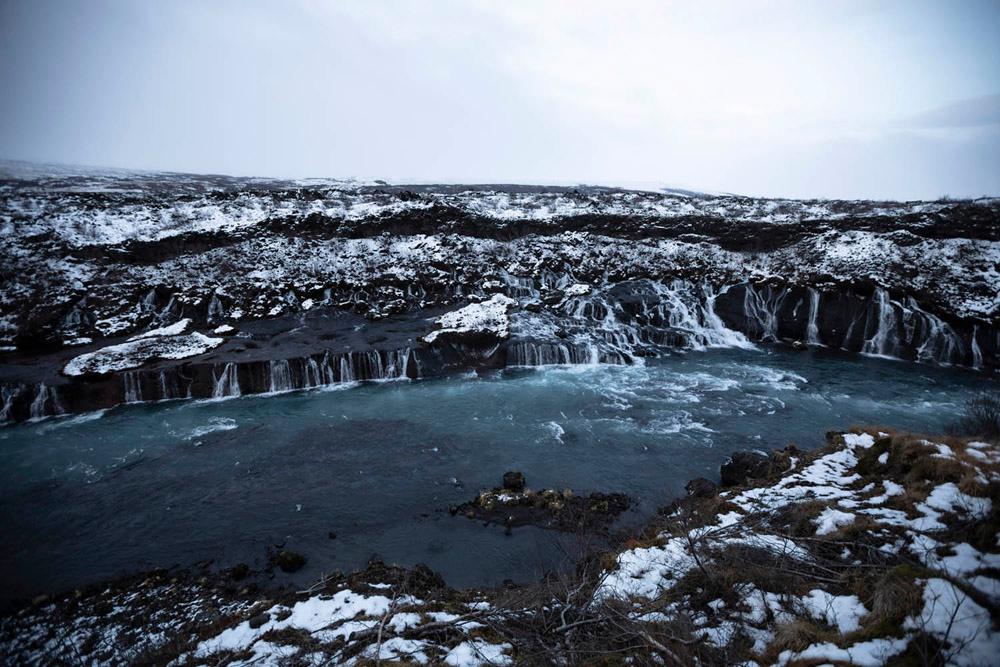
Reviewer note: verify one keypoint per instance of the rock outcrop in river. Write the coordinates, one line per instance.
(307, 283)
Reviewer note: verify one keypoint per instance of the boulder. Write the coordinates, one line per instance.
(288, 561)
(513, 481)
(743, 466)
(701, 488)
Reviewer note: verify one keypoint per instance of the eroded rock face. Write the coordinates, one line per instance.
(489, 276)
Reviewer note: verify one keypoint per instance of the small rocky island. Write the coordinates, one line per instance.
(514, 505)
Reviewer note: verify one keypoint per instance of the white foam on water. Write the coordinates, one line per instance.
(214, 424)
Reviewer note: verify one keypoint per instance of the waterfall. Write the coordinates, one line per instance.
(812, 330)
(884, 342)
(519, 288)
(149, 302)
(312, 375)
(529, 353)
(133, 390)
(329, 376)
(46, 402)
(169, 388)
(281, 376)
(38, 404)
(227, 384)
(396, 363)
(977, 353)
(216, 313)
(763, 310)
(715, 332)
(7, 396)
(346, 370)
(938, 342)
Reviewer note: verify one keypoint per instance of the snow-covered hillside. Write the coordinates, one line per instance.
(92, 257)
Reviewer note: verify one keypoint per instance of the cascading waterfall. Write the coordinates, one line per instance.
(623, 324)
(216, 312)
(346, 370)
(935, 339)
(529, 353)
(396, 363)
(329, 375)
(149, 302)
(715, 332)
(812, 330)
(763, 310)
(133, 389)
(884, 342)
(977, 353)
(45, 403)
(169, 388)
(7, 396)
(281, 376)
(312, 375)
(519, 288)
(226, 383)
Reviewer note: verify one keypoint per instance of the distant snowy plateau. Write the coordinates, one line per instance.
(130, 286)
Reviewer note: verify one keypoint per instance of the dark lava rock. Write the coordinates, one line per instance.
(701, 488)
(743, 466)
(239, 571)
(288, 561)
(419, 579)
(259, 620)
(513, 480)
(550, 508)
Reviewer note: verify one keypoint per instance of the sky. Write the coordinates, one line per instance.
(797, 98)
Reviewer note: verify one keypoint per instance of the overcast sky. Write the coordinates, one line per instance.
(792, 98)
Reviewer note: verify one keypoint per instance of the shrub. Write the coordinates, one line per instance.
(982, 416)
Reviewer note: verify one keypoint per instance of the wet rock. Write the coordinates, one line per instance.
(701, 488)
(513, 480)
(800, 346)
(239, 572)
(743, 466)
(288, 561)
(549, 508)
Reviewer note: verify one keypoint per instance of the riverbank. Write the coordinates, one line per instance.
(879, 546)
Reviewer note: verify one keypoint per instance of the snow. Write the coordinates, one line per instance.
(831, 519)
(843, 612)
(947, 498)
(477, 652)
(952, 616)
(313, 615)
(135, 353)
(174, 329)
(487, 317)
(831, 477)
(873, 653)
(223, 329)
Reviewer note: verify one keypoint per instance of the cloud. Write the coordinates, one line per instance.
(975, 112)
